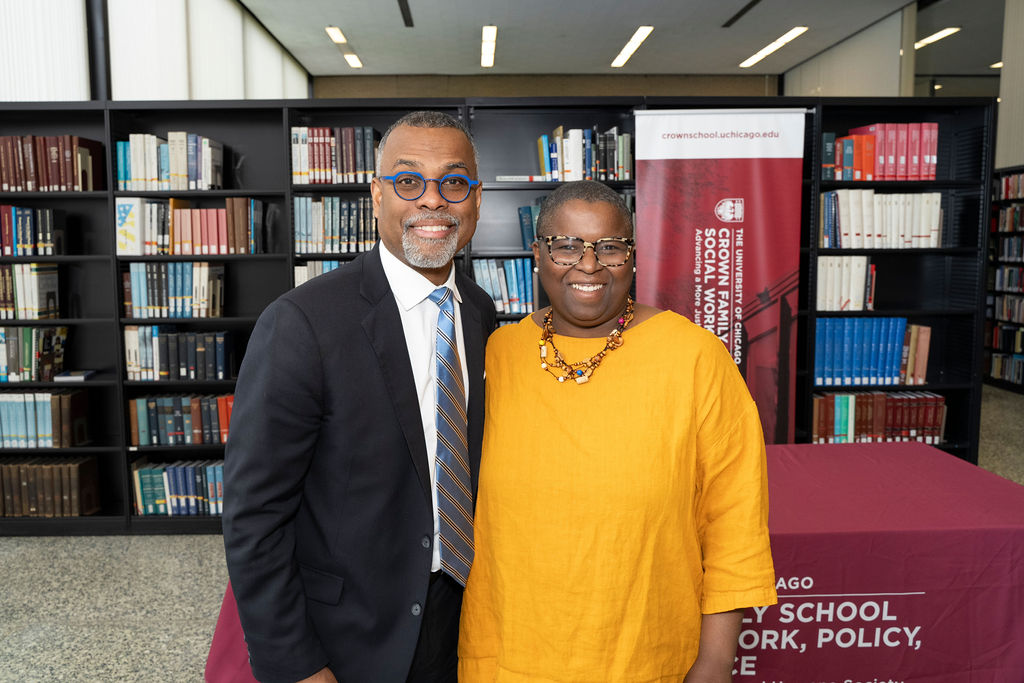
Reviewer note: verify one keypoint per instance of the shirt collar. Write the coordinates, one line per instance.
(410, 287)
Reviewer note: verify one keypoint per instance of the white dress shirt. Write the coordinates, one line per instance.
(419, 322)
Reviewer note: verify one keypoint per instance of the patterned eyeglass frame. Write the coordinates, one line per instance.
(628, 241)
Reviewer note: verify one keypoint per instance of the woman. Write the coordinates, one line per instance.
(621, 524)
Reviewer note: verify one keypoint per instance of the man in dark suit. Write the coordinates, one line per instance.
(331, 505)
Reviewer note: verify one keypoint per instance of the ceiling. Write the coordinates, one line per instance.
(582, 37)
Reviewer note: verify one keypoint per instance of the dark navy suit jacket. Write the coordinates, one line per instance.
(328, 523)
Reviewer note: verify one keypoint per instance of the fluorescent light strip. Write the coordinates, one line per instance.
(944, 33)
(773, 46)
(353, 60)
(997, 65)
(336, 35)
(638, 38)
(489, 40)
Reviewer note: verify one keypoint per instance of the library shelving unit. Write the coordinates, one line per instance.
(943, 287)
(1004, 302)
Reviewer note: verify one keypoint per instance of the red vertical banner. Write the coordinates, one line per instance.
(718, 237)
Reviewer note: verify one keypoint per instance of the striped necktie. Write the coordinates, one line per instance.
(454, 497)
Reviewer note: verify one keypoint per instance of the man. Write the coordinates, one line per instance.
(337, 549)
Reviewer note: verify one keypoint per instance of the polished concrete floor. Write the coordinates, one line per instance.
(143, 608)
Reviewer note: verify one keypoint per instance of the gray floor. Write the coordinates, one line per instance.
(143, 608)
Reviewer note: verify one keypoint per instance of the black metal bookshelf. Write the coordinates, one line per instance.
(943, 286)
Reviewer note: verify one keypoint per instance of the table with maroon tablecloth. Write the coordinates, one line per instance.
(894, 562)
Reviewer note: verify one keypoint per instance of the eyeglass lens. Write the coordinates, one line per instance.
(568, 251)
(453, 187)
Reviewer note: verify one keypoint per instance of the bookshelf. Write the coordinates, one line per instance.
(940, 286)
(1004, 300)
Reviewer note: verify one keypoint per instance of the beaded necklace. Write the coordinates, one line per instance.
(580, 370)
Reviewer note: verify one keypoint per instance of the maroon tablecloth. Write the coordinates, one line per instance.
(894, 562)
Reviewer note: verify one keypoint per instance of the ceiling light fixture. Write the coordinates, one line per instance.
(353, 60)
(944, 33)
(488, 42)
(773, 46)
(336, 35)
(997, 65)
(638, 38)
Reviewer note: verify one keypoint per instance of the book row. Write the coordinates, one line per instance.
(862, 219)
(1008, 247)
(180, 161)
(154, 353)
(173, 289)
(31, 354)
(29, 291)
(155, 227)
(1008, 307)
(30, 232)
(193, 487)
(845, 283)
(1011, 186)
(870, 352)
(1008, 278)
(308, 271)
(1011, 219)
(55, 419)
(508, 281)
(1009, 338)
(581, 154)
(323, 155)
(878, 416)
(179, 420)
(49, 487)
(882, 151)
(331, 225)
(1007, 367)
(51, 163)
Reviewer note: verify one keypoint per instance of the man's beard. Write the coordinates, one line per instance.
(430, 253)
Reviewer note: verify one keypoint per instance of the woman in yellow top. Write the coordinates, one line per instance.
(621, 524)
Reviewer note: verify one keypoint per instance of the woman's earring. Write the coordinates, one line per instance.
(537, 270)
(634, 269)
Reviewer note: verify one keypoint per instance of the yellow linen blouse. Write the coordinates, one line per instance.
(612, 514)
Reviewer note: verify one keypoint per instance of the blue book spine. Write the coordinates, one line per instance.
(189, 473)
(848, 159)
(164, 166)
(899, 330)
(826, 214)
(140, 408)
(123, 164)
(29, 420)
(553, 153)
(511, 285)
(526, 226)
(3, 354)
(846, 341)
(174, 493)
(857, 357)
(187, 270)
(524, 286)
(819, 352)
(870, 350)
(838, 419)
(828, 351)
(211, 487)
(219, 471)
(588, 154)
(44, 420)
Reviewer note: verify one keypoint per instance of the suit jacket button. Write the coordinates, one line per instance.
(425, 542)
(416, 609)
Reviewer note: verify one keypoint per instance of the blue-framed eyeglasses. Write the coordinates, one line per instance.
(410, 186)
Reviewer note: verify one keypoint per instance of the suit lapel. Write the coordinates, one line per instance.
(383, 327)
